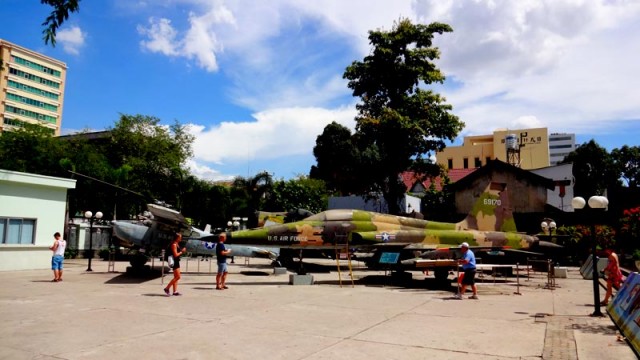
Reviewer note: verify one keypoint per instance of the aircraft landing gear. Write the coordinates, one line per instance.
(301, 270)
(276, 263)
(138, 260)
(138, 265)
(441, 275)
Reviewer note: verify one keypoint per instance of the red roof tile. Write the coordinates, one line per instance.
(409, 178)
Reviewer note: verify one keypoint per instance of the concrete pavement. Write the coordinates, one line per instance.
(103, 315)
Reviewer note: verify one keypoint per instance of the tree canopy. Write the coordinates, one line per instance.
(627, 159)
(401, 122)
(594, 169)
(299, 193)
(59, 14)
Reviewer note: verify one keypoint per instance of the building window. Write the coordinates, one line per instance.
(29, 113)
(35, 66)
(450, 163)
(465, 163)
(17, 231)
(477, 162)
(560, 138)
(34, 78)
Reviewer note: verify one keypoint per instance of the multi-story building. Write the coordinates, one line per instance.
(560, 145)
(476, 151)
(32, 88)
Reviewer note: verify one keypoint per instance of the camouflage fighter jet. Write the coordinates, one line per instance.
(490, 225)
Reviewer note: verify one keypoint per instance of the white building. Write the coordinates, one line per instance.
(32, 209)
(560, 145)
(560, 197)
(376, 204)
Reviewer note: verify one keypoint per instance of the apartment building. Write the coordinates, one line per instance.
(32, 88)
(560, 145)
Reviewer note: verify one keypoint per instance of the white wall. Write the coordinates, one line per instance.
(36, 197)
(557, 173)
(407, 204)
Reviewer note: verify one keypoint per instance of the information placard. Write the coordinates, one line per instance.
(389, 258)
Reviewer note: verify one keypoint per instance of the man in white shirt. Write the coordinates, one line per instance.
(58, 247)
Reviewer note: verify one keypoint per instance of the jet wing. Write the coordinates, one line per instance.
(168, 216)
(524, 252)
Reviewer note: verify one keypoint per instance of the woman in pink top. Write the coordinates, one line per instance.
(613, 274)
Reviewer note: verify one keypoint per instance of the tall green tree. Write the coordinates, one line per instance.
(593, 169)
(340, 163)
(627, 160)
(156, 155)
(399, 117)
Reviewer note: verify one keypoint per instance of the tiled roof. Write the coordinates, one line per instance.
(409, 178)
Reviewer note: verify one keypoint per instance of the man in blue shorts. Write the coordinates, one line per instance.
(57, 260)
(221, 256)
(468, 262)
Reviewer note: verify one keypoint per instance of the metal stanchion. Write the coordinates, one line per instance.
(112, 260)
(162, 272)
(518, 279)
(551, 283)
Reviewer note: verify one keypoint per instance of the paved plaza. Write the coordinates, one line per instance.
(109, 315)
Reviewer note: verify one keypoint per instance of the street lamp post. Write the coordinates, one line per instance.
(548, 226)
(596, 203)
(89, 215)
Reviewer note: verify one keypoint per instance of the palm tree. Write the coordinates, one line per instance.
(250, 194)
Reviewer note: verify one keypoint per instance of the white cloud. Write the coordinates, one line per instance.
(72, 39)
(199, 42)
(569, 65)
(161, 36)
(566, 64)
(274, 134)
(205, 172)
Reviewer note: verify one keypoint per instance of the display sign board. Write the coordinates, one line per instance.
(624, 310)
(389, 258)
(587, 270)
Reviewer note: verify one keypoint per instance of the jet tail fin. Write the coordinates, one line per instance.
(207, 228)
(492, 211)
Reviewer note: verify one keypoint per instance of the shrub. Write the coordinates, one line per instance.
(70, 253)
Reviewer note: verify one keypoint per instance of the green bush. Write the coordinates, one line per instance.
(104, 253)
(70, 253)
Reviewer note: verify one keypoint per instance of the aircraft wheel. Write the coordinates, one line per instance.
(138, 261)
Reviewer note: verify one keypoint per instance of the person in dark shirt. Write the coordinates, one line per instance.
(221, 256)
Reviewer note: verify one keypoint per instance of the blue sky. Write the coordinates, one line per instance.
(257, 81)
